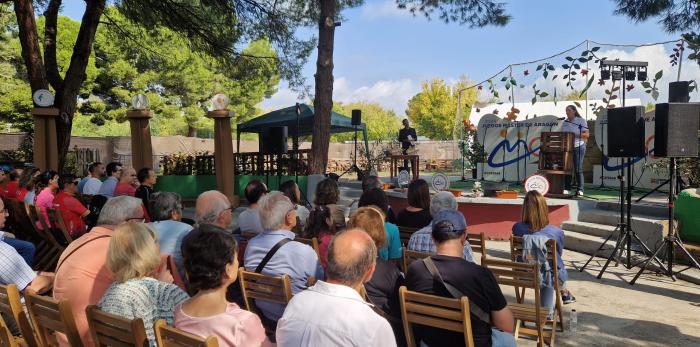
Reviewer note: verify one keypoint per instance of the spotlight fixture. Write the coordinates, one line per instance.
(616, 73)
(605, 73)
(642, 74)
(630, 73)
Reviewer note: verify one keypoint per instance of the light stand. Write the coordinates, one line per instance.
(354, 167)
(602, 150)
(671, 240)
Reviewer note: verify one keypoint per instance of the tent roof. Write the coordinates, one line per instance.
(287, 117)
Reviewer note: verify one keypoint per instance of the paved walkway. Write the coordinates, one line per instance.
(653, 312)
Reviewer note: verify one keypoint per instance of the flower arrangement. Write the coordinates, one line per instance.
(477, 190)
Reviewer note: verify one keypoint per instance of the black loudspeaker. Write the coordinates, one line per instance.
(273, 140)
(676, 130)
(356, 117)
(679, 91)
(626, 132)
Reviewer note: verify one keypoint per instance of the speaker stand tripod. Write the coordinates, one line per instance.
(354, 167)
(671, 240)
(623, 229)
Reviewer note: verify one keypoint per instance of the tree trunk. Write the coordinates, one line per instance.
(67, 96)
(323, 100)
(29, 40)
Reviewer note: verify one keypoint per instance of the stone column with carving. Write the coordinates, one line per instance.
(45, 140)
(141, 148)
(223, 153)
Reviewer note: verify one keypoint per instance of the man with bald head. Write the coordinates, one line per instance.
(332, 312)
(214, 208)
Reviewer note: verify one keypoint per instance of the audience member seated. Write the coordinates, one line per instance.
(471, 280)
(82, 276)
(417, 213)
(320, 225)
(327, 192)
(114, 173)
(72, 209)
(383, 288)
(422, 240)
(25, 249)
(47, 188)
(167, 213)
(249, 220)
(392, 249)
(369, 182)
(536, 221)
(295, 259)
(11, 189)
(127, 183)
(212, 266)
(3, 182)
(26, 183)
(291, 190)
(132, 257)
(147, 179)
(212, 207)
(332, 312)
(93, 182)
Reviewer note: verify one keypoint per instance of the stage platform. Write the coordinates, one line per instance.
(495, 217)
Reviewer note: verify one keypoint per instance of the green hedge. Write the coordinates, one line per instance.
(189, 187)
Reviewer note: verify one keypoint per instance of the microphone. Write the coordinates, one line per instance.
(561, 118)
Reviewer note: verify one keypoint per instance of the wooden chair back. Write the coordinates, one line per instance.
(168, 336)
(478, 243)
(313, 242)
(405, 234)
(6, 338)
(11, 306)
(409, 256)
(17, 222)
(114, 331)
(262, 287)
(56, 218)
(53, 248)
(435, 311)
(50, 316)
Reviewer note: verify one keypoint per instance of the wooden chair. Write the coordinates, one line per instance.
(521, 275)
(257, 286)
(167, 336)
(478, 244)
(56, 219)
(313, 242)
(21, 221)
(6, 338)
(11, 306)
(409, 256)
(435, 311)
(53, 247)
(516, 250)
(50, 316)
(114, 331)
(405, 234)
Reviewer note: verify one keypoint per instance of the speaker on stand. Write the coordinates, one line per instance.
(273, 142)
(356, 121)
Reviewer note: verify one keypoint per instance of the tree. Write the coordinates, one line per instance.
(382, 124)
(432, 111)
(474, 13)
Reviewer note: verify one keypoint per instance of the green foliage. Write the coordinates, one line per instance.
(15, 94)
(433, 110)
(382, 124)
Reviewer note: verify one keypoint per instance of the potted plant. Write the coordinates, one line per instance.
(477, 190)
(472, 151)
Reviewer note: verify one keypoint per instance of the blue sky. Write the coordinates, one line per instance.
(382, 54)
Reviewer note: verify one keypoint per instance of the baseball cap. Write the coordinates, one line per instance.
(449, 221)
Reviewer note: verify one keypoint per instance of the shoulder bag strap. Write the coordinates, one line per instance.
(270, 253)
(77, 248)
(456, 293)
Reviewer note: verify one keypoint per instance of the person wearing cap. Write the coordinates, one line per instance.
(473, 281)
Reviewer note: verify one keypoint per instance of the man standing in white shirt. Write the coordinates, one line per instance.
(332, 312)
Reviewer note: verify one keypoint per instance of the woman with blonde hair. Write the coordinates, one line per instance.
(535, 221)
(133, 257)
(383, 288)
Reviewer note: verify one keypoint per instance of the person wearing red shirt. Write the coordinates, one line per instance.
(127, 183)
(12, 187)
(72, 210)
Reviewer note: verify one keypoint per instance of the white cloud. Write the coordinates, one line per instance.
(392, 94)
(383, 9)
(284, 97)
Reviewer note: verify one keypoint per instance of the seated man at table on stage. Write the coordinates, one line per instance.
(407, 136)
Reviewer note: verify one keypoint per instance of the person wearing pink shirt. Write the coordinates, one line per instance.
(47, 187)
(211, 263)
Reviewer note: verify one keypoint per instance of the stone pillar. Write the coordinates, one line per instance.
(45, 138)
(141, 148)
(223, 153)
